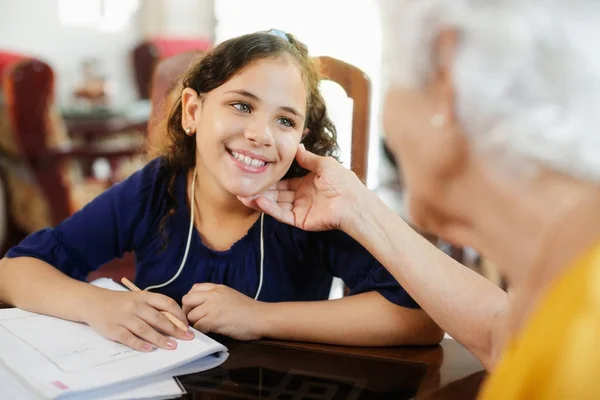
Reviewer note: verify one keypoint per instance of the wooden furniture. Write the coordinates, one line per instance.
(357, 86)
(39, 163)
(147, 54)
(166, 76)
(39, 160)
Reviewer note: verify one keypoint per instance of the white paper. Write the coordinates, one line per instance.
(12, 387)
(63, 358)
(108, 283)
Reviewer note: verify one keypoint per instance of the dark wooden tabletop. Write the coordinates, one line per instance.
(287, 370)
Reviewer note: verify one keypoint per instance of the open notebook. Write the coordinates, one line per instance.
(55, 358)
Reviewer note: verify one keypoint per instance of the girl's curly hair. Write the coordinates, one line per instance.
(215, 68)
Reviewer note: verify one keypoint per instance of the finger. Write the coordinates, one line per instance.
(146, 332)
(287, 207)
(162, 324)
(273, 209)
(193, 300)
(308, 160)
(164, 303)
(289, 184)
(203, 325)
(279, 195)
(283, 196)
(249, 202)
(204, 287)
(197, 314)
(124, 336)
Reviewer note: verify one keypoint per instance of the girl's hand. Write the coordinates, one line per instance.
(222, 310)
(135, 319)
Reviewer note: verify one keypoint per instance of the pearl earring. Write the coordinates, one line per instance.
(437, 121)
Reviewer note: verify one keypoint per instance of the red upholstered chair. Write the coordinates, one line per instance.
(147, 55)
(38, 161)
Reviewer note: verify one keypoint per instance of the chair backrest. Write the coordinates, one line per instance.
(146, 56)
(357, 86)
(30, 128)
(167, 75)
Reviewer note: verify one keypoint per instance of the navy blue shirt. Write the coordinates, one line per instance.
(298, 265)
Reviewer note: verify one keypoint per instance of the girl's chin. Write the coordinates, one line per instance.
(247, 192)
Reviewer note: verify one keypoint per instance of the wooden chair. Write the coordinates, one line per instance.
(38, 160)
(147, 55)
(166, 76)
(357, 86)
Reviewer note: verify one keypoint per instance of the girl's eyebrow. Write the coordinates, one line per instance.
(252, 96)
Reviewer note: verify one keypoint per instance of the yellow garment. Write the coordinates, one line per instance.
(557, 355)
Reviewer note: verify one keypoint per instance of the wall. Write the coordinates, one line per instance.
(182, 18)
(33, 26)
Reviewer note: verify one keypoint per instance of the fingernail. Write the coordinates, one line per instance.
(147, 347)
(171, 344)
(189, 335)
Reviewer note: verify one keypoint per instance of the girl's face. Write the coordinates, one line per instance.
(248, 129)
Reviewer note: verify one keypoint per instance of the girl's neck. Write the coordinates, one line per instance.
(215, 203)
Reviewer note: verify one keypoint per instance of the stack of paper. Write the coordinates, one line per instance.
(13, 387)
(52, 358)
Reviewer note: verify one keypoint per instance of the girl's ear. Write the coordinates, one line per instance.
(190, 104)
(306, 130)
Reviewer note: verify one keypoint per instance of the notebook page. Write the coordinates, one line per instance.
(12, 387)
(58, 357)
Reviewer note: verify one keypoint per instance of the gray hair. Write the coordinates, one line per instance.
(526, 73)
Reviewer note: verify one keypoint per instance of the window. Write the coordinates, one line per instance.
(105, 15)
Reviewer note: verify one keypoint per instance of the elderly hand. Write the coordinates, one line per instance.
(322, 200)
(220, 309)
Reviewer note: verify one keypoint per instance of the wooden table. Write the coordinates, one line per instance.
(92, 128)
(269, 369)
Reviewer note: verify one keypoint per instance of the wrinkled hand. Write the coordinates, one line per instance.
(222, 310)
(321, 200)
(135, 319)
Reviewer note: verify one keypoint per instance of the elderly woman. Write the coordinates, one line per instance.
(493, 113)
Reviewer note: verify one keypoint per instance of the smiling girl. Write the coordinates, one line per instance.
(243, 111)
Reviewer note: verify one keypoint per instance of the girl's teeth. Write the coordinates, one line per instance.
(248, 160)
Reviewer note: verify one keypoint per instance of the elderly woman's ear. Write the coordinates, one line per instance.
(450, 140)
(439, 144)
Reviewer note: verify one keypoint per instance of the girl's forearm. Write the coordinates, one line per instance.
(366, 319)
(33, 285)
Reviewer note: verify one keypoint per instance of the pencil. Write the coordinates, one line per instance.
(176, 321)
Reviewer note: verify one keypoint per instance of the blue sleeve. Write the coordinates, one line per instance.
(359, 270)
(116, 221)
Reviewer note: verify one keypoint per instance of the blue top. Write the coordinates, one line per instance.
(298, 265)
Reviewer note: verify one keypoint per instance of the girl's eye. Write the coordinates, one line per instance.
(243, 107)
(286, 122)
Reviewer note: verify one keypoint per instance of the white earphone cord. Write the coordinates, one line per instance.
(189, 240)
